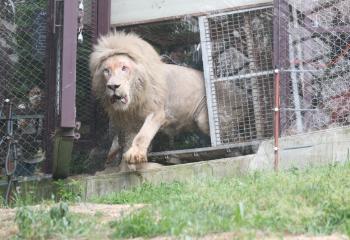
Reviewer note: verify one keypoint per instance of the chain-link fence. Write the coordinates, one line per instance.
(237, 50)
(23, 32)
(84, 98)
(90, 150)
(313, 56)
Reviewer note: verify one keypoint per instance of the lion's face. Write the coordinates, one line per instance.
(118, 74)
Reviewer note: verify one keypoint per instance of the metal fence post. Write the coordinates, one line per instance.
(103, 16)
(276, 121)
(64, 137)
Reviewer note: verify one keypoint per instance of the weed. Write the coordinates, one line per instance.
(53, 222)
(71, 190)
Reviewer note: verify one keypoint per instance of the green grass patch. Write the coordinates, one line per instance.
(314, 201)
(56, 222)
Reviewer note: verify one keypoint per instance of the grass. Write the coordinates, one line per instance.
(56, 222)
(315, 201)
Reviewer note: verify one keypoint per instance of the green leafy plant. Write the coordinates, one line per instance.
(70, 191)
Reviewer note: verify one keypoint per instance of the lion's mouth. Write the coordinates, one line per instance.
(122, 99)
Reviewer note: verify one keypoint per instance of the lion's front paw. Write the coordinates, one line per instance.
(135, 155)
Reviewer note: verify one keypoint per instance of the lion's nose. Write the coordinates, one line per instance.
(113, 87)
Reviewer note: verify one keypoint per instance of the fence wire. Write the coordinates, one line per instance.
(313, 54)
(23, 32)
(84, 98)
(240, 77)
(89, 151)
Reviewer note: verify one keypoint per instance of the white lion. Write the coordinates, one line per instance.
(143, 95)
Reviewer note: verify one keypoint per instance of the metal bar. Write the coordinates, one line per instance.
(103, 16)
(296, 97)
(16, 117)
(298, 71)
(204, 149)
(246, 9)
(302, 109)
(276, 119)
(205, 55)
(94, 20)
(68, 89)
(239, 77)
(276, 35)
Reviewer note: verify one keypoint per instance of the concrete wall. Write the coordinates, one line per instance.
(305, 150)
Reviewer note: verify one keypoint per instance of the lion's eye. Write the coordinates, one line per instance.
(124, 68)
(107, 72)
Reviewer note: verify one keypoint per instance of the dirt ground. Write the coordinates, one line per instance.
(7, 226)
(113, 212)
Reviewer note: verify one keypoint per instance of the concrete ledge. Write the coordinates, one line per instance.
(104, 184)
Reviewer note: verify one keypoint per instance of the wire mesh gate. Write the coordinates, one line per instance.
(23, 32)
(37, 78)
(312, 53)
(237, 59)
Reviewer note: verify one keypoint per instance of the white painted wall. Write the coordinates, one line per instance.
(137, 11)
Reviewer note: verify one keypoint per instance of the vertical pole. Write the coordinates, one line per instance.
(70, 26)
(64, 138)
(208, 77)
(276, 62)
(276, 117)
(103, 16)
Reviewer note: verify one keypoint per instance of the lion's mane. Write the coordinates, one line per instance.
(148, 87)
